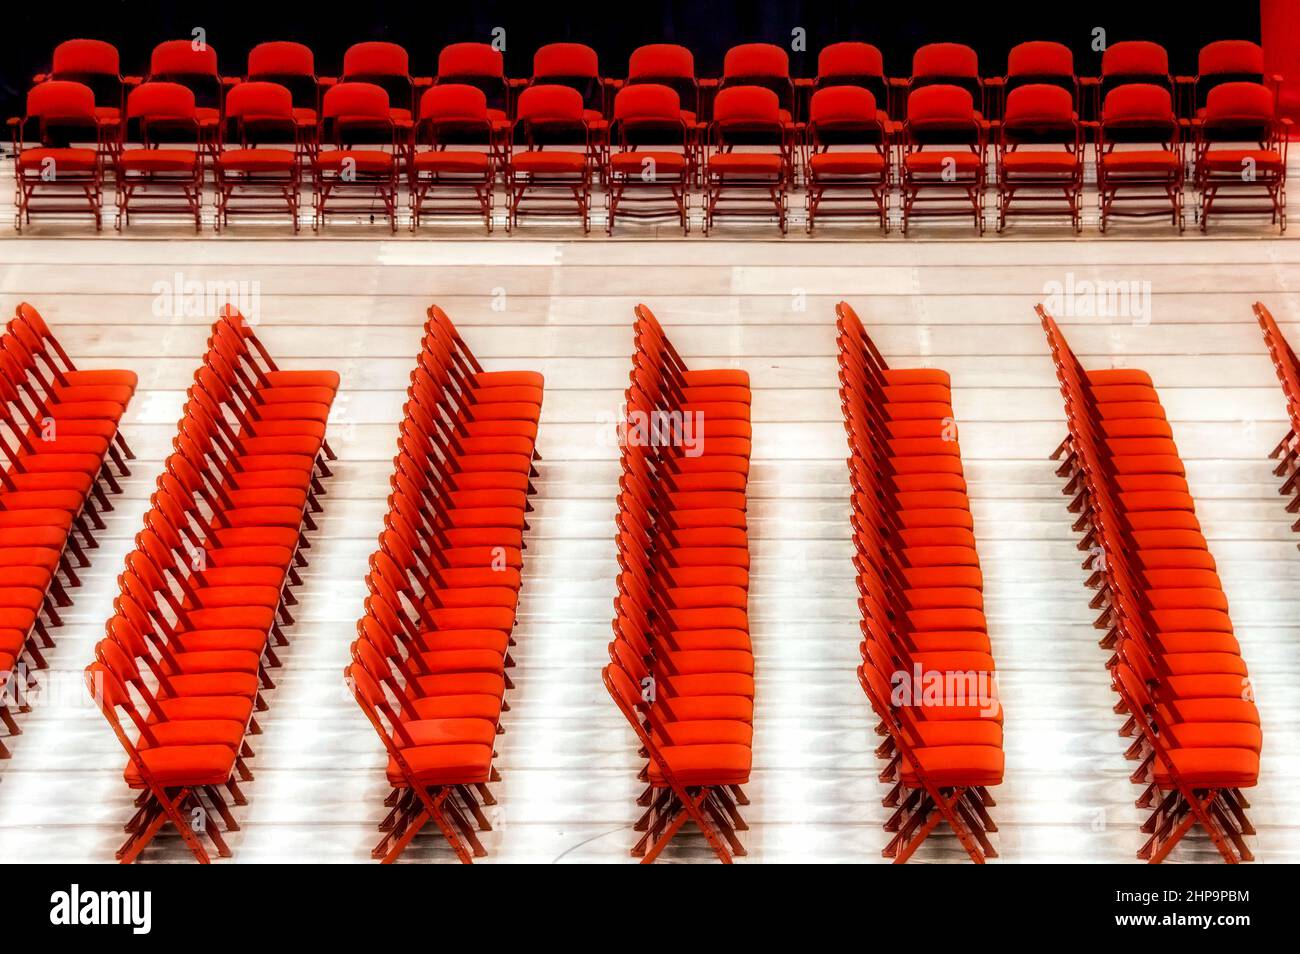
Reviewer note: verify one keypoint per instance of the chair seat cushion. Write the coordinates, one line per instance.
(374, 161)
(947, 765)
(1210, 768)
(717, 764)
(959, 160)
(447, 160)
(1235, 160)
(1142, 162)
(1041, 161)
(746, 164)
(159, 160)
(557, 161)
(257, 160)
(867, 163)
(464, 763)
(58, 160)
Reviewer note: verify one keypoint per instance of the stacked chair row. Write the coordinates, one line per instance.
(860, 140)
(1287, 366)
(61, 444)
(429, 665)
(927, 664)
(681, 662)
(207, 587)
(1175, 664)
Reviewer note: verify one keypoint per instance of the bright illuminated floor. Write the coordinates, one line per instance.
(565, 308)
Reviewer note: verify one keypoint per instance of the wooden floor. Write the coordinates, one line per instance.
(564, 308)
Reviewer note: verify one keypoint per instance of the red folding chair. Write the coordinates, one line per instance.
(1140, 163)
(649, 173)
(349, 179)
(751, 181)
(556, 181)
(943, 165)
(1040, 155)
(848, 167)
(1240, 154)
(457, 149)
(1227, 61)
(387, 66)
(52, 175)
(254, 177)
(162, 173)
(1042, 63)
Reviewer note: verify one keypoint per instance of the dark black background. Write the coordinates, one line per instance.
(31, 29)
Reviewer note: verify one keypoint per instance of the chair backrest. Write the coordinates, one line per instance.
(747, 114)
(381, 64)
(1041, 62)
(551, 115)
(475, 64)
(649, 113)
(292, 65)
(1135, 61)
(844, 114)
(853, 63)
(261, 111)
(93, 62)
(62, 111)
(163, 112)
(80, 57)
(941, 113)
(355, 109)
(453, 113)
(1227, 61)
(191, 64)
(573, 65)
(1139, 112)
(666, 64)
(1239, 111)
(374, 58)
(1040, 113)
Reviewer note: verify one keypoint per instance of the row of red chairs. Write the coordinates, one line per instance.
(927, 664)
(1287, 366)
(205, 591)
(850, 155)
(429, 665)
(681, 664)
(195, 64)
(1175, 665)
(60, 447)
